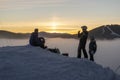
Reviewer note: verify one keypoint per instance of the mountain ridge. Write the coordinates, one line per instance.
(102, 32)
(106, 32)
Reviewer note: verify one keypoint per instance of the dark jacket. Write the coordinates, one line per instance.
(93, 46)
(83, 38)
(33, 39)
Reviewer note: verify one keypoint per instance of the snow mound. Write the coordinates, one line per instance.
(34, 63)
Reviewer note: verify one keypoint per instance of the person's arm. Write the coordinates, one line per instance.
(79, 35)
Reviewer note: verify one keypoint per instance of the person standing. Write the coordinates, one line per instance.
(92, 47)
(82, 42)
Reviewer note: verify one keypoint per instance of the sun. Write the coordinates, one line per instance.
(54, 25)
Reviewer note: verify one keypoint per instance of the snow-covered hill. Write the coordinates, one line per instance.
(34, 63)
(106, 32)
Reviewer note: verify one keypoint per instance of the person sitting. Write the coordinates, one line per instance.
(92, 47)
(37, 41)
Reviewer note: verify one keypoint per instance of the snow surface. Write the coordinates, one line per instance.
(112, 32)
(103, 31)
(34, 63)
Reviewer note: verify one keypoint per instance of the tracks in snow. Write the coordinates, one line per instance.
(112, 32)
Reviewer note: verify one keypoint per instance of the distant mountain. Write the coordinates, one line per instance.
(106, 32)
(102, 32)
(55, 35)
(11, 35)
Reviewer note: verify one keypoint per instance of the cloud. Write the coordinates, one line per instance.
(14, 4)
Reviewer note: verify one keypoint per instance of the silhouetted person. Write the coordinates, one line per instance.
(92, 48)
(82, 43)
(35, 40)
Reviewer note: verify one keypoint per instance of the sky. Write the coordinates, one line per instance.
(64, 16)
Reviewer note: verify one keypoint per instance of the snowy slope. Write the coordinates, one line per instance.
(112, 32)
(106, 32)
(34, 63)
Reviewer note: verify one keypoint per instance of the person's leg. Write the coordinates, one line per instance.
(79, 53)
(85, 53)
(91, 57)
(41, 43)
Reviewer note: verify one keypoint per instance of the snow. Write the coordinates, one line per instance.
(112, 32)
(34, 63)
(103, 31)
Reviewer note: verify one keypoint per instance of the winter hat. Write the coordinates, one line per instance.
(84, 27)
(36, 30)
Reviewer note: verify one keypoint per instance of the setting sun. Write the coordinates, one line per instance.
(54, 25)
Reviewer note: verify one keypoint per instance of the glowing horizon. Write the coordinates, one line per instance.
(51, 29)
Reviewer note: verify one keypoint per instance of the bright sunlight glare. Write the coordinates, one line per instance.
(54, 25)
